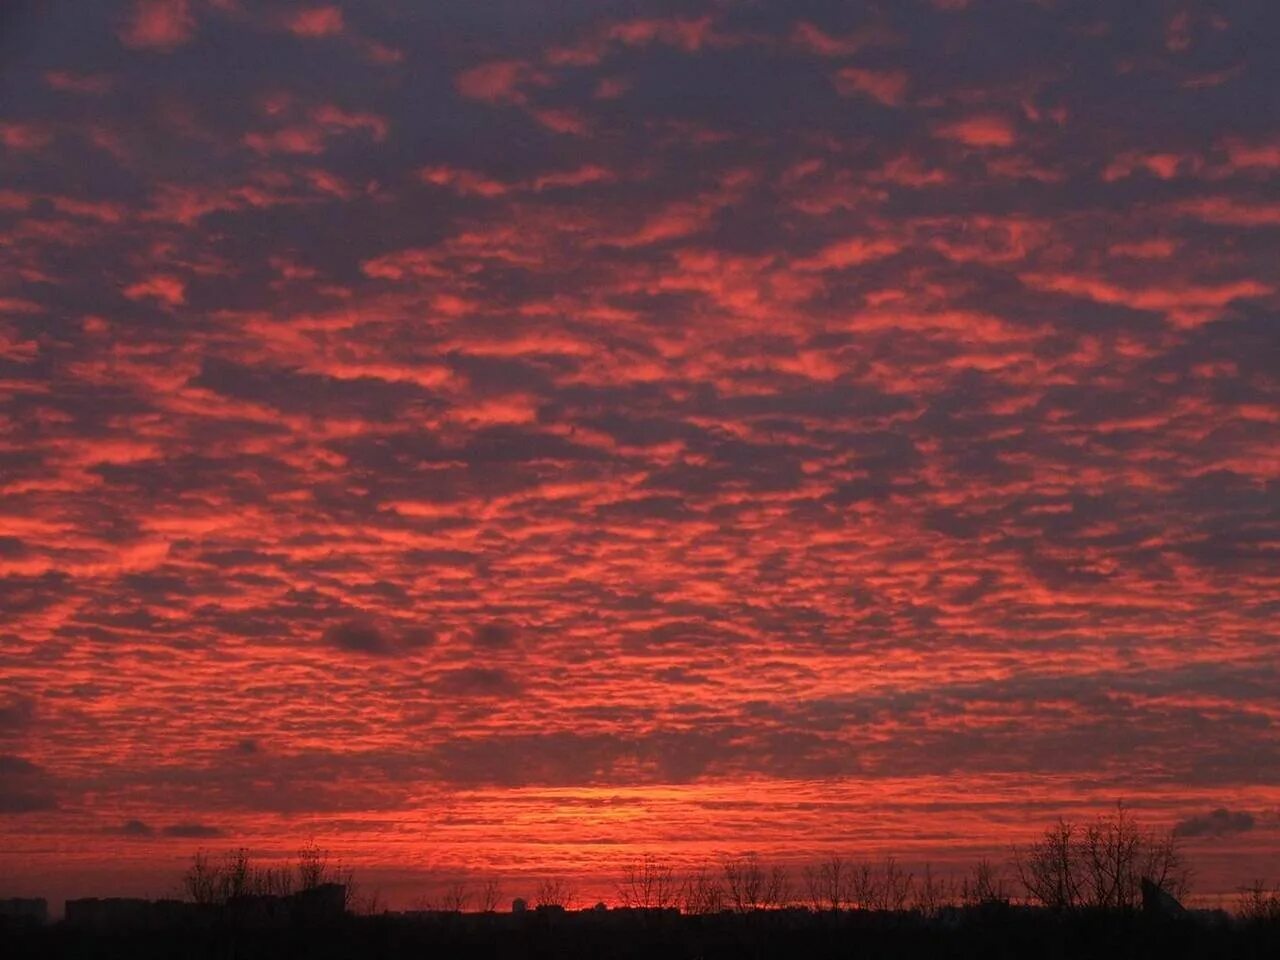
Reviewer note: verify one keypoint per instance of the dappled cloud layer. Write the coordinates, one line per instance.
(509, 436)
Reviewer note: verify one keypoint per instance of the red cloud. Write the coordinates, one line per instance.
(1186, 303)
(1166, 166)
(90, 84)
(336, 118)
(828, 469)
(850, 253)
(688, 35)
(499, 81)
(812, 39)
(989, 130)
(1231, 212)
(464, 182)
(587, 173)
(315, 22)
(159, 25)
(887, 86)
(164, 287)
(311, 136)
(24, 136)
(561, 120)
(1256, 155)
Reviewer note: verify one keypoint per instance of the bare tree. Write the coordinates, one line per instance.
(1259, 903)
(744, 881)
(316, 869)
(864, 887)
(983, 884)
(1101, 866)
(648, 883)
(1111, 849)
(276, 881)
(1163, 863)
(555, 892)
(313, 866)
(701, 892)
(827, 883)
(932, 893)
(202, 882)
(236, 875)
(490, 895)
(777, 889)
(895, 886)
(1050, 868)
(367, 905)
(456, 896)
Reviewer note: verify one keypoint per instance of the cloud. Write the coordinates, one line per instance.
(24, 136)
(477, 682)
(494, 636)
(25, 787)
(311, 22)
(464, 182)
(16, 714)
(358, 637)
(136, 828)
(985, 130)
(366, 637)
(162, 25)
(814, 40)
(500, 81)
(162, 287)
(87, 84)
(192, 831)
(779, 424)
(1217, 823)
(886, 86)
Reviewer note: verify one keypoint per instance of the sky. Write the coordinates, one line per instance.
(505, 438)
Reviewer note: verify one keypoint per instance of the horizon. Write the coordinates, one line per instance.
(509, 438)
(633, 882)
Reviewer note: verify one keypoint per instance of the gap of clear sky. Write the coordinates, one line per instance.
(508, 437)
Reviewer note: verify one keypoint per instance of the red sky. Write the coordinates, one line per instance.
(505, 438)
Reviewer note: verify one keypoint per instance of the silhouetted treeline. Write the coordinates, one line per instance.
(212, 880)
(1109, 888)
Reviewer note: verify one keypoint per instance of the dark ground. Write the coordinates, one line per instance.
(1003, 933)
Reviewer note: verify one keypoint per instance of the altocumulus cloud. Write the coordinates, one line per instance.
(1216, 823)
(477, 682)
(192, 831)
(361, 636)
(25, 787)
(810, 405)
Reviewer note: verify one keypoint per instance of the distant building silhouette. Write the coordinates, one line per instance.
(32, 910)
(519, 905)
(1158, 901)
(311, 907)
(325, 901)
(103, 914)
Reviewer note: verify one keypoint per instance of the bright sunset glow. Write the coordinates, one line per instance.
(503, 438)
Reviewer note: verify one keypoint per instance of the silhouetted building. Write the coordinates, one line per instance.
(117, 913)
(32, 910)
(259, 910)
(1158, 901)
(315, 906)
(324, 902)
(519, 905)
